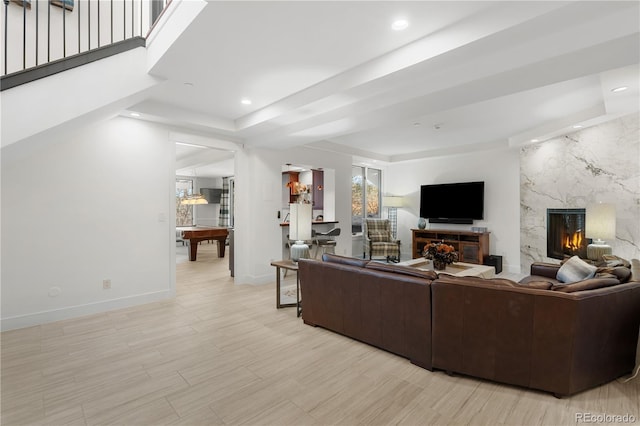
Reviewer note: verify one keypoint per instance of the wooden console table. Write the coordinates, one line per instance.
(472, 247)
(287, 265)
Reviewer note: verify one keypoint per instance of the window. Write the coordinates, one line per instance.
(184, 213)
(365, 195)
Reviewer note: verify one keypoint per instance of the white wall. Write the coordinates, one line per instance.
(258, 235)
(92, 205)
(499, 170)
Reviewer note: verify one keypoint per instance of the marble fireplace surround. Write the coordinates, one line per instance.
(597, 164)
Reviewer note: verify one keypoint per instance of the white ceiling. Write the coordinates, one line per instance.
(463, 76)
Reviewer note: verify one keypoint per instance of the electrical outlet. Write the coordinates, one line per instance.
(106, 284)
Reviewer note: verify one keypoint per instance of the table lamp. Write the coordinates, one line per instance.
(600, 225)
(299, 229)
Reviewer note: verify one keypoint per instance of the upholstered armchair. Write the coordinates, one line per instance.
(378, 240)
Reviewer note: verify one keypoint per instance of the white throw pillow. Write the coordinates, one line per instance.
(574, 270)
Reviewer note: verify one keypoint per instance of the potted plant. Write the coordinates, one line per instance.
(441, 254)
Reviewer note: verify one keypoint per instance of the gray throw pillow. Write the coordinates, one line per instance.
(574, 270)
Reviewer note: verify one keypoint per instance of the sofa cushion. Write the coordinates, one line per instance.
(612, 260)
(537, 284)
(344, 260)
(542, 278)
(404, 270)
(622, 273)
(575, 269)
(588, 284)
(498, 282)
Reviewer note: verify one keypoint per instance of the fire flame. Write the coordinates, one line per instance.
(573, 241)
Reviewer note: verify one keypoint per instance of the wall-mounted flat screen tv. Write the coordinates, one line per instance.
(212, 195)
(452, 202)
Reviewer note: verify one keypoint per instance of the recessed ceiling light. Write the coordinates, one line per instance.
(399, 25)
(577, 126)
(535, 140)
(135, 114)
(245, 101)
(619, 89)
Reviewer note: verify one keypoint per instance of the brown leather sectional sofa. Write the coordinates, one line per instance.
(385, 309)
(493, 329)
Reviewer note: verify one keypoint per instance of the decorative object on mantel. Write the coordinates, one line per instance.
(600, 225)
(300, 230)
(422, 223)
(441, 254)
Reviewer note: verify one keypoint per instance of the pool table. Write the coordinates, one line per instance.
(195, 234)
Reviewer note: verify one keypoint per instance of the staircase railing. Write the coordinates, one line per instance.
(41, 32)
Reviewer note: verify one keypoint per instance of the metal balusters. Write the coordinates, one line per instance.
(49, 31)
(6, 4)
(84, 25)
(37, 28)
(64, 31)
(24, 34)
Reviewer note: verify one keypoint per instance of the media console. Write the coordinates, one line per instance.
(472, 247)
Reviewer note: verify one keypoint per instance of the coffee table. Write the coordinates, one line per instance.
(459, 269)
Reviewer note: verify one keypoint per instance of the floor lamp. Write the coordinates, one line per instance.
(300, 230)
(392, 202)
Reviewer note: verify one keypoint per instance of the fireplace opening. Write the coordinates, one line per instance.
(565, 233)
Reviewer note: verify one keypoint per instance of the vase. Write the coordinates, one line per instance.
(299, 250)
(439, 265)
(422, 223)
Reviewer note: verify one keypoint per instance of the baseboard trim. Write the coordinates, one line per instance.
(38, 318)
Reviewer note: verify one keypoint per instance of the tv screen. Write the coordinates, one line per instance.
(452, 202)
(212, 195)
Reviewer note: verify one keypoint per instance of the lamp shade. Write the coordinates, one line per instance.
(300, 224)
(392, 201)
(601, 221)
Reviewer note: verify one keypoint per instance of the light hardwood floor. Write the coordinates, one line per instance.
(220, 353)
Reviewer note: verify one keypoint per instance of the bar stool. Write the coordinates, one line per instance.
(324, 241)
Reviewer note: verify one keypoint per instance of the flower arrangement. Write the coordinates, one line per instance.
(441, 254)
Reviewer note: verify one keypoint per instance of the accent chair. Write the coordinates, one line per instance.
(378, 240)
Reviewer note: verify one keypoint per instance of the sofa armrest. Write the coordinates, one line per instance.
(543, 269)
(547, 340)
